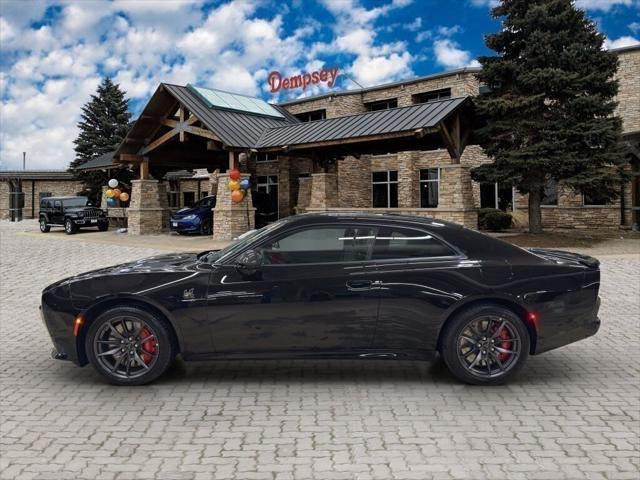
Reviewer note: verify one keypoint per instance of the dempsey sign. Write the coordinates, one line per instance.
(302, 80)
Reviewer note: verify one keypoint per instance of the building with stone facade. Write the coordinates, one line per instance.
(404, 147)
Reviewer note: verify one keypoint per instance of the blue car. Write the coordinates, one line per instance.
(196, 219)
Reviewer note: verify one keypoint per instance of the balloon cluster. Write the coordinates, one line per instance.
(238, 188)
(114, 194)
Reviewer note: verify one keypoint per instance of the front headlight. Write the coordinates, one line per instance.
(79, 214)
(190, 217)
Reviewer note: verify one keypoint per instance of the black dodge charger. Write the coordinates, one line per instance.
(330, 286)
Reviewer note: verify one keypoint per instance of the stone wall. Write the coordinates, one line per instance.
(629, 89)
(57, 188)
(232, 219)
(461, 84)
(324, 190)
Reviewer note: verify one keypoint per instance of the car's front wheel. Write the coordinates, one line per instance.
(103, 226)
(205, 227)
(485, 345)
(69, 227)
(129, 346)
(44, 228)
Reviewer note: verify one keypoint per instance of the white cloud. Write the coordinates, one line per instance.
(450, 55)
(634, 27)
(604, 5)
(485, 3)
(415, 25)
(449, 31)
(626, 41)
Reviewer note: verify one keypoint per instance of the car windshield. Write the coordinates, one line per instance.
(75, 202)
(241, 242)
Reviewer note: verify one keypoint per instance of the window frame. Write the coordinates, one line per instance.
(322, 111)
(595, 205)
(388, 183)
(542, 197)
(416, 96)
(387, 101)
(368, 262)
(266, 157)
(436, 181)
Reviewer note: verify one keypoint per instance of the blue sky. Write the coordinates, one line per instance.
(53, 53)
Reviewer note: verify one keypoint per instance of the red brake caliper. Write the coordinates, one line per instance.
(504, 335)
(148, 346)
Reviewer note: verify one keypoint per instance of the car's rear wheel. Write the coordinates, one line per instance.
(69, 227)
(44, 228)
(129, 346)
(485, 345)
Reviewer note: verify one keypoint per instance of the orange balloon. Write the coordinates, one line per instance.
(237, 196)
(234, 174)
(124, 196)
(116, 193)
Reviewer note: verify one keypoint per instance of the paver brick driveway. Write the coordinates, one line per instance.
(572, 413)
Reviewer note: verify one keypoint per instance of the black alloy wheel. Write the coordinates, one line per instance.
(44, 228)
(205, 227)
(70, 227)
(129, 346)
(485, 345)
(103, 226)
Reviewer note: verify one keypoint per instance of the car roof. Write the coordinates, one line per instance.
(373, 217)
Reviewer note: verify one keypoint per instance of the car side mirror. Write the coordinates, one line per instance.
(249, 262)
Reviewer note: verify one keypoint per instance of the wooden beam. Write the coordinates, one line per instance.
(144, 169)
(182, 115)
(202, 132)
(192, 119)
(158, 141)
(213, 145)
(449, 143)
(170, 122)
(130, 157)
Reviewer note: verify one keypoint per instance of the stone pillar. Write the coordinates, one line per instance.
(231, 219)
(213, 182)
(148, 212)
(304, 194)
(103, 198)
(324, 190)
(408, 180)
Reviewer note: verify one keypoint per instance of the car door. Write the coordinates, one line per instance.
(57, 216)
(314, 292)
(419, 280)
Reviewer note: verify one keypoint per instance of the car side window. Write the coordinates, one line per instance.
(57, 204)
(321, 244)
(397, 243)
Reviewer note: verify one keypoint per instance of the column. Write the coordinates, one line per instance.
(148, 213)
(324, 190)
(231, 219)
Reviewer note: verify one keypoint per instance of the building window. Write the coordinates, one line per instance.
(594, 199)
(495, 195)
(429, 187)
(384, 193)
(312, 116)
(267, 157)
(382, 104)
(204, 194)
(266, 201)
(432, 95)
(550, 193)
(188, 199)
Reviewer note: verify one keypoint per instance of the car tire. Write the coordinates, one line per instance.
(69, 227)
(205, 227)
(44, 228)
(485, 345)
(103, 226)
(106, 332)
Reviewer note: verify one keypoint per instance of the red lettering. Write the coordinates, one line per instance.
(285, 83)
(323, 76)
(315, 77)
(272, 79)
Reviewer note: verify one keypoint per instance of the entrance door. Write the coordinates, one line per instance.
(314, 292)
(267, 208)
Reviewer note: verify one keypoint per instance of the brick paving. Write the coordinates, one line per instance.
(573, 413)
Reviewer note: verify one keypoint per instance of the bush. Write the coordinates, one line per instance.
(493, 220)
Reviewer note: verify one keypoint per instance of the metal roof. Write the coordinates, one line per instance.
(235, 129)
(101, 162)
(394, 120)
(36, 175)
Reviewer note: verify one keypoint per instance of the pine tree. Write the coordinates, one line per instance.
(549, 108)
(104, 123)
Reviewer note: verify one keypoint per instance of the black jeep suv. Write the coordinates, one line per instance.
(71, 213)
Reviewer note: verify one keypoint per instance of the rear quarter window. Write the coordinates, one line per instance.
(397, 243)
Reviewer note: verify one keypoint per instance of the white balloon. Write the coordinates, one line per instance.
(113, 183)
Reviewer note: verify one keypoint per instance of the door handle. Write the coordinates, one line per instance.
(359, 285)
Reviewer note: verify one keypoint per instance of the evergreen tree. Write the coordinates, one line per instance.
(549, 108)
(104, 123)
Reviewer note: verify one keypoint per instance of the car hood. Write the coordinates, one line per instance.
(174, 262)
(183, 212)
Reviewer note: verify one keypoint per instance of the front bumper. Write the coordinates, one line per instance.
(178, 225)
(93, 222)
